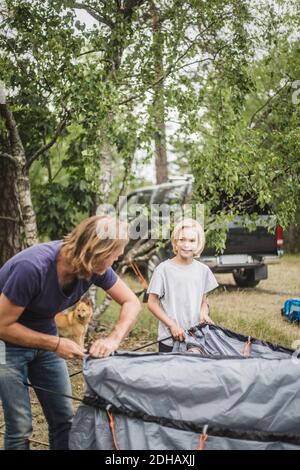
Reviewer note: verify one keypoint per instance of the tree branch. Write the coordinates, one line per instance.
(251, 124)
(9, 157)
(130, 5)
(170, 69)
(88, 52)
(11, 126)
(202, 60)
(94, 13)
(128, 165)
(57, 133)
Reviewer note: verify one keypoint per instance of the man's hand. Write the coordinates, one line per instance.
(103, 347)
(177, 332)
(68, 349)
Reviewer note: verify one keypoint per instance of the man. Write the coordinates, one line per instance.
(36, 284)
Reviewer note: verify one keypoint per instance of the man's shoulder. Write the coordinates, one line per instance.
(32, 259)
(46, 247)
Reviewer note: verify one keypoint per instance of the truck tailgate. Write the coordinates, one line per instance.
(241, 240)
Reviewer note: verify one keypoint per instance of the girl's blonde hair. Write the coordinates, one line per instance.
(96, 236)
(189, 223)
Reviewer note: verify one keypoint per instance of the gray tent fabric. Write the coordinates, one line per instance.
(164, 401)
(216, 341)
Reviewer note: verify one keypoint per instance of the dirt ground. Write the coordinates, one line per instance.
(250, 311)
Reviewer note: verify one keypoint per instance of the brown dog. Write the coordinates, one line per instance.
(74, 324)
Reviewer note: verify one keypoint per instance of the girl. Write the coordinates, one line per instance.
(178, 287)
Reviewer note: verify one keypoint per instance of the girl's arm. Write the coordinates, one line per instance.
(155, 308)
(204, 311)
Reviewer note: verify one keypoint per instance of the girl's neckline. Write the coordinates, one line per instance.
(183, 266)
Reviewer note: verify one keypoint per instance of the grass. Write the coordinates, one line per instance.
(256, 312)
(146, 324)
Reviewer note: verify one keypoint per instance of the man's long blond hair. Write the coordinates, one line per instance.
(97, 236)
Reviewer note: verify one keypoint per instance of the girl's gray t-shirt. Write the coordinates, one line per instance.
(180, 289)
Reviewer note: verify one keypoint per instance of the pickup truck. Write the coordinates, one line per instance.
(247, 253)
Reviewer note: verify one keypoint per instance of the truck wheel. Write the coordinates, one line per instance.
(245, 277)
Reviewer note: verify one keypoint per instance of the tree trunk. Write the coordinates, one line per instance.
(161, 161)
(293, 237)
(17, 187)
(10, 211)
(107, 160)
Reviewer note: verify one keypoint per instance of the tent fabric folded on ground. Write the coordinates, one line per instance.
(233, 392)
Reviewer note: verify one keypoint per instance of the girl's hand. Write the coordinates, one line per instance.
(205, 318)
(177, 332)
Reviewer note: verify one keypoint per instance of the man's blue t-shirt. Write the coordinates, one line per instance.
(29, 279)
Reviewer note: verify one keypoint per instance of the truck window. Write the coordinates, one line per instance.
(141, 197)
(170, 195)
(144, 197)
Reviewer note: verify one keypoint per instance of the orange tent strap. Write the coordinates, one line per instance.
(202, 441)
(112, 429)
(138, 274)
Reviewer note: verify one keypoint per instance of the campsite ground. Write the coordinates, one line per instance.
(254, 312)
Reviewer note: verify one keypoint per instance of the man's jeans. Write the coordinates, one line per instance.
(43, 369)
